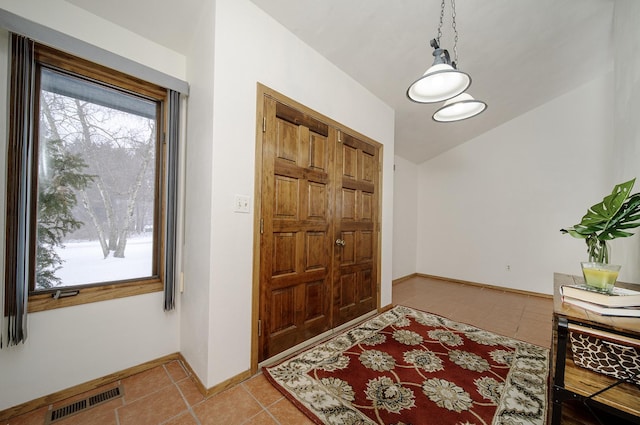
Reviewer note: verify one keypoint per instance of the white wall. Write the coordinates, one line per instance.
(627, 125)
(251, 47)
(405, 217)
(69, 346)
(500, 199)
(196, 319)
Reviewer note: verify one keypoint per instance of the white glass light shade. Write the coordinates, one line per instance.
(440, 82)
(459, 108)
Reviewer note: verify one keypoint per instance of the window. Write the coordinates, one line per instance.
(91, 185)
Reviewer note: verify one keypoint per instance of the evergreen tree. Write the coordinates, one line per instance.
(59, 177)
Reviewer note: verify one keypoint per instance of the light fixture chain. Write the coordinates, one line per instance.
(444, 81)
(455, 31)
(440, 24)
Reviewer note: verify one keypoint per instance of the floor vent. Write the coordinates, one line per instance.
(79, 406)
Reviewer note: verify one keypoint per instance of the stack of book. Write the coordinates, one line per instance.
(620, 302)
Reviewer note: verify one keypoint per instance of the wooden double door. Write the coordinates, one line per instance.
(319, 226)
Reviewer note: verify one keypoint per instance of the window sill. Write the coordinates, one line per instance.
(42, 302)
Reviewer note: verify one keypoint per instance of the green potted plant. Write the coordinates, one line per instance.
(603, 222)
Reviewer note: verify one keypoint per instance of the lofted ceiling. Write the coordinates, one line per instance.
(519, 53)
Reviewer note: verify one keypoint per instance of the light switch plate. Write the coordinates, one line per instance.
(241, 204)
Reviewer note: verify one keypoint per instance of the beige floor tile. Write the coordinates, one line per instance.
(175, 370)
(154, 408)
(506, 329)
(144, 383)
(286, 413)
(262, 418)
(542, 302)
(185, 418)
(262, 390)
(540, 316)
(504, 318)
(231, 407)
(190, 391)
(535, 334)
(470, 316)
(36, 417)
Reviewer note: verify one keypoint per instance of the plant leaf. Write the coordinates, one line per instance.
(613, 234)
(573, 232)
(603, 212)
(609, 219)
(627, 217)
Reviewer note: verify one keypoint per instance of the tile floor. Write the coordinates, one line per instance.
(524, 317)
(166, 395)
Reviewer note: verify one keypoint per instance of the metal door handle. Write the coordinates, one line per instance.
(340, 242)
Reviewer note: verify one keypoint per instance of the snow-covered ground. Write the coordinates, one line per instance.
(84, 263)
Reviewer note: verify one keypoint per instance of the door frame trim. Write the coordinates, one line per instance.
(261, 92)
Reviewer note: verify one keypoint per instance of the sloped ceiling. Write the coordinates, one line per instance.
(519, 53)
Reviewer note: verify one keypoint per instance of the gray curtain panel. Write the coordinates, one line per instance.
(14, 326)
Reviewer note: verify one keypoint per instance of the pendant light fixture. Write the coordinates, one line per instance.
(459, 108)
(440, 82)
(443, 81)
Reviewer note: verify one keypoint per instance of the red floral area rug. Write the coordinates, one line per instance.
(408, 367)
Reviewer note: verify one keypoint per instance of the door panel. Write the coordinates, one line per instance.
(296, 241)
(355, 287)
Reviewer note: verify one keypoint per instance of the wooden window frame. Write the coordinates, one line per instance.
(43, 300)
